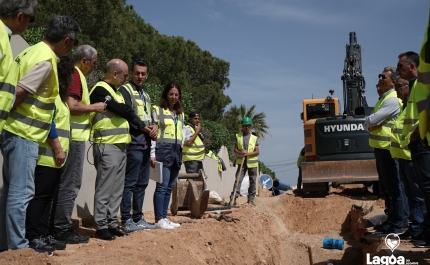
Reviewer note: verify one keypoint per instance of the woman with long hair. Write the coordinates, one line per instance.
(169, 115)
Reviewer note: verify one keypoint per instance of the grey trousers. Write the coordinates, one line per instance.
(70, 184)
(110, 162)
(252, 173)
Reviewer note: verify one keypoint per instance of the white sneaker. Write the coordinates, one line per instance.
(163, 224)
(175, 225)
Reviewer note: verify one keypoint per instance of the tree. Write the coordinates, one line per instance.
(233, 117)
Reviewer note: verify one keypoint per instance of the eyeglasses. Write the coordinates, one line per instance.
(76, 42)
(32, 18)
(382, 76)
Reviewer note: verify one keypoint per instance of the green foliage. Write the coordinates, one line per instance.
(233, 117)
(34, 35)
(216, 136)
(266, 170)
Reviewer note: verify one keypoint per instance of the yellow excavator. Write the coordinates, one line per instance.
(336, 146)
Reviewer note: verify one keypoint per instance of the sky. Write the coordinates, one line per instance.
(281, 52)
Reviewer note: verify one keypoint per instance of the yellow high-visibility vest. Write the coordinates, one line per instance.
(216, 158)
(195, 152)
(62, 124)
(411, 118)
(251, 161)
(381, 137)
(396, 149)
(8, 79)
(169, 131)
(32, 117)
(107, 127)
(423, 90)
(81, 123)
(142, 109)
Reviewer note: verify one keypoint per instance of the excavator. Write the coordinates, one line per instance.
(336, 145)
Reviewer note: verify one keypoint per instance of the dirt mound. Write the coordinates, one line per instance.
(279, 230)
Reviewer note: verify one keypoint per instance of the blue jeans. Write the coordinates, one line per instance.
(416, 202)
(421, 159)
(19, 164)
(389, 170)
(135, 183)
(164, 190)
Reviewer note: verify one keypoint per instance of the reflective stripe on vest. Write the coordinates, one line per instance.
(138, 104)
(396, 149)
(32, 118)
(108, 127)
(169, 131)
(251, 161)
(7, 78)
(411, 117)
(195, 152)
(81, 123)
(62, 124)
(381, 137)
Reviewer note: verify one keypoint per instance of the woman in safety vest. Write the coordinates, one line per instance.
(52, 156)
(169, 114)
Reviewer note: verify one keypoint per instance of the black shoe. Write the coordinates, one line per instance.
(405, 235)
(424, 243)
(388, 230)
(418, 237)
(104, 234)
(70, 237)
(117, 231)
(39, 245)
(51, 241)
(380, 226)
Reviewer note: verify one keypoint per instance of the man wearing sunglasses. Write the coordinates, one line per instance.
(379, 126)
(15, 16)
(407, 67)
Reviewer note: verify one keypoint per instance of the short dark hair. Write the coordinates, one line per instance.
(11, 8)
(411, 57)
(61, 27)
(164, 103)
(140, 62)
(65, 68)
(193, 114)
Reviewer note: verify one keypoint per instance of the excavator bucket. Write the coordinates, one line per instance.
(339, 171)
(190, 194)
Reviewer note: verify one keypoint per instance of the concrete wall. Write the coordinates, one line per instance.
(222, 182)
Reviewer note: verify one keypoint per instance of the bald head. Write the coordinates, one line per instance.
(116, 72)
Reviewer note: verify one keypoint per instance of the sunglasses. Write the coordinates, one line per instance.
(32, 18)
(382, 76)
(76, 42)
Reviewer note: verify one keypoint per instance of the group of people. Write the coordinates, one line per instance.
(47, 113)
(402, 158)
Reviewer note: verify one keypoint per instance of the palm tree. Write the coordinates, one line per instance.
(233, 117)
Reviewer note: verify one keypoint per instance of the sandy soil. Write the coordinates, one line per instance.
(279, 230)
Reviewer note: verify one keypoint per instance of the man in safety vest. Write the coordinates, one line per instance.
(28, 124)
(193, 152)
(110, 133)
(419, 154)
(138, 151)
(15, 16)
(246, 148)
(414, 203)
(85, 58)
(379, 125)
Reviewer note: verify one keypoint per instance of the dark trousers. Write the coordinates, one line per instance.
(135, 183)
(393, 187)
(299, 179)
(46, 180)
(421, 159)
(193, 166)
(252, 173)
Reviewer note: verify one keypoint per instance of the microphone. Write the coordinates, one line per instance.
(107, 98)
